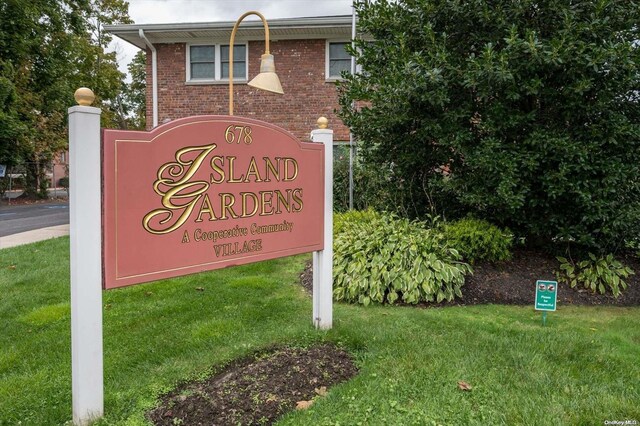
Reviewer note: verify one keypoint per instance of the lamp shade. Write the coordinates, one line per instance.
(267, 79)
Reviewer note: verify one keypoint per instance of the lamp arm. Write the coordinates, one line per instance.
(231, 42)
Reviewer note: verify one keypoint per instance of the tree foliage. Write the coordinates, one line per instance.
(136, 95)
(526, 113)
(49, 48)
(100, 68)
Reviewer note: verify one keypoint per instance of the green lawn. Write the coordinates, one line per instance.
(583, 368)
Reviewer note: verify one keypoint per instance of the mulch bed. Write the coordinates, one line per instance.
(513, 283)
(257, 389)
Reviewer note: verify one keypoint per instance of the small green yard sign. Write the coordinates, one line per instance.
(546, 295)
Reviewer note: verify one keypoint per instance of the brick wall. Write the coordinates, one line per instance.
(300, 64)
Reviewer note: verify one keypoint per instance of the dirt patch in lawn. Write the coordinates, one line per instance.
(513, 283)
(257, 390)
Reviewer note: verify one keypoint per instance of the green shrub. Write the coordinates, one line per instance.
(341, 178)
(385, 259)
(478, 240)
(633, 246)
(64, 182)
(372, 187)
(353, 218)
(595, 273)
(525, 112)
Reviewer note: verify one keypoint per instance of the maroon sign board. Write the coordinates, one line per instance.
(207, 192)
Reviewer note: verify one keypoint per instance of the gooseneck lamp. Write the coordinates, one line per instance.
(267, 79)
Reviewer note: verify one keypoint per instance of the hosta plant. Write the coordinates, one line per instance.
(385, 259)
(595, 273)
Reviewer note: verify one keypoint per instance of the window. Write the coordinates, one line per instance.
(239, 62)
(210, 63)
(338, 59)
(203, 62)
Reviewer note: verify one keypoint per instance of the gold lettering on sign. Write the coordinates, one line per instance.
(217, 164)
(290, 174)
(297, 198)
(253, 171)
(269, 167)
(245, 209)
(179, 195)
(227, 201)
(187, 194)
(236, 133)
(232, 179)
(206, 208)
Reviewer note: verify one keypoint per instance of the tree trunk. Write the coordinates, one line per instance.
(35, 181)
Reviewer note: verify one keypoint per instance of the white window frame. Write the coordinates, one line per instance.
(217, 65)
(328, 59)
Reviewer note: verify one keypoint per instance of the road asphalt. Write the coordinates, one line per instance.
(24, 224)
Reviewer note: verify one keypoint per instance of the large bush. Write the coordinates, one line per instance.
(524, 113)
(380, 258)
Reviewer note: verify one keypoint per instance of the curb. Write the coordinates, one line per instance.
(33, 236)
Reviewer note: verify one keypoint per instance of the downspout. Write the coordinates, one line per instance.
(154, 75)
(353, 105)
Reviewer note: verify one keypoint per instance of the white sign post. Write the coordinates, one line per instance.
(86, 260)
(323, 260)
(85, 197)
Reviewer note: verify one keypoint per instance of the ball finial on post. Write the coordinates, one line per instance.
(84, 96)
(323, 123)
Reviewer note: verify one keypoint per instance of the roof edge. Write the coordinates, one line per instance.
(311, 22)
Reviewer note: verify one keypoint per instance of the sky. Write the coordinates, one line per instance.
(180, 11)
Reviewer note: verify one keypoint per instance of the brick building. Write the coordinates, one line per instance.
(189, 64)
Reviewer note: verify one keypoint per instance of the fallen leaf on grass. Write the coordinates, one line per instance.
(322, 391)
(464, 386)
(200, 288)
(303, 405)
(12, 267)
